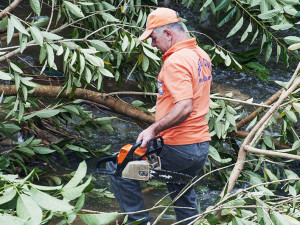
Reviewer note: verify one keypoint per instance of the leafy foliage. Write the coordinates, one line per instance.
(264, 21)
(23, 202)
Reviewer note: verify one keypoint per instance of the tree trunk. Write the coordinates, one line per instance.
(115, 104)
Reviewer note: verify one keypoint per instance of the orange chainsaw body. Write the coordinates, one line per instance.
(125, 149)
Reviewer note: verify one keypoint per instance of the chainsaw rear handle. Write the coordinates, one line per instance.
(154, 145)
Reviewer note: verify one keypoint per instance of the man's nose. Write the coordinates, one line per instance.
(153, 44)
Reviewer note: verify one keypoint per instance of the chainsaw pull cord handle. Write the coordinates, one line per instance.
(128, 158)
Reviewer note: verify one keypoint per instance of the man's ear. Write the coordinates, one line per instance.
(168, 33)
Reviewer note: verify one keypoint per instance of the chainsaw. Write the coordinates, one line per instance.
(142, 164)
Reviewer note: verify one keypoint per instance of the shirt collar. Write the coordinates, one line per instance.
(178, 46)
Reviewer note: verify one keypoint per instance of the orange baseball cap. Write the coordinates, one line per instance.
(159, 18)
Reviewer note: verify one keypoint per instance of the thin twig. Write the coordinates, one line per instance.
(51, 17)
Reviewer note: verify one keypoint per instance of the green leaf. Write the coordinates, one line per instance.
(145, 63)
(236, 27)
(96, 219)
(125, 43)
(216, 156)
(105, 72)
(79, 203)
(103, 120)
(10, 31)
(227, 60)
(227, 16)
(291, 116)
(230, 117)
(222, 4)
(60, 50)
(28, 209)
(296, 145)
(47, 113)
(278, 52)
(150, 54)
(27, 81)
(51, 36)
(257, 66)
(271, 175)
(76, 148)
(26, 151)
(269, 14)
(252, 123)
(43, 150)
(268, 52)
(78, 176)
(5, 76)
(8, 219)
(8, 195)
(15, 67)
(36, 35)
(23, 42)
(50, 55)
(94, 60)
(290, 174)
(296, 106)
(11, 128)
(74, 9)
(284, 26)
(230, 109)
(254, 36)
(50, 203)
(27, 142)
(35, 5)
(41, 22)
(73, 193)
(248, 30)
(294, 47)
(137, 103)
(4, 23)
(290, 10)
(18, 25)
(71, 109)
(291, 40)
(88, 75)
(109, 18)
(99, 45)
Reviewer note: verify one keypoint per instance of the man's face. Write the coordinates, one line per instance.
(161, 41)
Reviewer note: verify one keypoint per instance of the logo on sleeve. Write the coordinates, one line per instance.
(160, 88)
(207, 64)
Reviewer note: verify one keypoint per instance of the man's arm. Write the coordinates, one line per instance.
(175, 116)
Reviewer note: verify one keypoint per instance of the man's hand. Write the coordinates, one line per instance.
(145, 135)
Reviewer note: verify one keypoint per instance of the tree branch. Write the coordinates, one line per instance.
(10, 8)
(115, 104)
(256, 131)
(271, 153)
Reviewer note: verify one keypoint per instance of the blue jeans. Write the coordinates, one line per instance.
(188, 159)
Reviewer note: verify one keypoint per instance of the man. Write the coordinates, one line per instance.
(182, 103)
